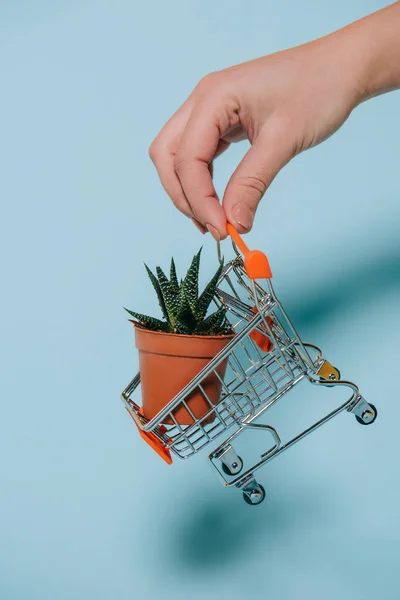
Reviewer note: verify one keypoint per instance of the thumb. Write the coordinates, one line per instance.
(252, 178)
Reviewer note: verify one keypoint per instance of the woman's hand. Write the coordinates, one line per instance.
(283, 104)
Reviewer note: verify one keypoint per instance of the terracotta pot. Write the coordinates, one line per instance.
(168, 362)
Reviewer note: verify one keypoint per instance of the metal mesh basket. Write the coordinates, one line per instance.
(265, 359)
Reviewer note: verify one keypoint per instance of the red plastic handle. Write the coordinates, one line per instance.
(256, 263)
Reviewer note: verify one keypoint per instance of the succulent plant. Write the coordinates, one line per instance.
(184, 310)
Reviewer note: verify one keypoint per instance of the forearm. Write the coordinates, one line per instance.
(373, 44)
(284, 103)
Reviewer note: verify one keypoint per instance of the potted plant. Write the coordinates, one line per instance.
(174, 349)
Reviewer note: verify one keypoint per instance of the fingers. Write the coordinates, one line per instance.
(269, 153)
(163, 159)
(183, 154)
(199, 145)
(170, 157)
(162, 152)
(222, 146)
(164, 163)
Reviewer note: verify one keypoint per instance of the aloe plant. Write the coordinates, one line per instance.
(184, 311)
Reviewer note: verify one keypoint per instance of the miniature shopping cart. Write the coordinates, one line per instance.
(265, 359)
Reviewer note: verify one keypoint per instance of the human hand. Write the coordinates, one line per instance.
(283, 104)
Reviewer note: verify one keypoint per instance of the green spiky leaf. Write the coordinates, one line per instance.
(182, 327)
(184, 312)
(185, 321)
(157, 288)
(213, 323)
(149, 322)
(191, 282)
(170, 296)
(173, 277)
(208, 294)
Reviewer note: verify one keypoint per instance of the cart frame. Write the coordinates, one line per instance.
(265, 359)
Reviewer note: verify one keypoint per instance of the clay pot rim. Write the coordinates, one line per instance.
(185, 335)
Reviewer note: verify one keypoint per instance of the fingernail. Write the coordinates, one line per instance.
(243, 215)
(214, 232)
(199, 226)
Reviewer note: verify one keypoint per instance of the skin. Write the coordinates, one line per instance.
(283, 103)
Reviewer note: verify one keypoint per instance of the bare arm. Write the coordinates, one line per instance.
(283, 104)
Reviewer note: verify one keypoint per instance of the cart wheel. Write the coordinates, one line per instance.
(238, 466)
(362, 422)
(256, 496)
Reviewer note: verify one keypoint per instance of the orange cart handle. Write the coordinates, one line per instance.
(153, 441)
(256, 263)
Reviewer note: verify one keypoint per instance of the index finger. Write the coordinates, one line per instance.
(198, 146)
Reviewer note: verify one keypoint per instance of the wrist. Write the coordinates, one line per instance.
(372, 45)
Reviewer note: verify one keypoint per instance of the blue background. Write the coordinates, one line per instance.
(87, 510)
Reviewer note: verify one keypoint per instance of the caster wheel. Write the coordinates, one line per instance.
(362, 422)
(256, 497)
(237, 470)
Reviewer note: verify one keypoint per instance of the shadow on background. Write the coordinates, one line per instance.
(217, 533)
(352, 287)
